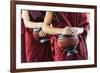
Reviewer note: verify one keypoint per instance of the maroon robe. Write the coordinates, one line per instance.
(23, 56)
(61, 20)
(35, 51)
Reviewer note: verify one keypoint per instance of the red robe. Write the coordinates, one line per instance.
(23, 55)
(35, 51)
(76, 20)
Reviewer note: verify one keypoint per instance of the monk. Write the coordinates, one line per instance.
(35, 50)
(71, 24)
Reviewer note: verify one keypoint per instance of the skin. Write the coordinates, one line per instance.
(46, 25)
(32, 24)
(46, 28)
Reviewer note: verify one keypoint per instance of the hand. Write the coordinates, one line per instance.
(42, 34)
(74, 31)
(77, 30)
(68, 31)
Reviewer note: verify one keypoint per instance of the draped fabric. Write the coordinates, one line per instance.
(23, 56)
(71, 19)
(34, 51)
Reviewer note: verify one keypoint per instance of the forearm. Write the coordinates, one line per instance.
(47, 24)
(28, 23)
(31, 24)
(48, 18)
(52, 30)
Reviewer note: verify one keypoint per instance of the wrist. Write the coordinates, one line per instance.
(39, 24)
(62, 31)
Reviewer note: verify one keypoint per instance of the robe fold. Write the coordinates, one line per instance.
(23, 55)
(34, 50)
(61, 20)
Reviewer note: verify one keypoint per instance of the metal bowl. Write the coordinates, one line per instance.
(38, 37)
(36, 33)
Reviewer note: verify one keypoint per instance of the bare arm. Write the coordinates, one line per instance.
(51, 30)
(47, 25)
(28, 23)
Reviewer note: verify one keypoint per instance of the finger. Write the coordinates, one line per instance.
(71, 32)
(75, 30)
(45, 34)
(42, 34)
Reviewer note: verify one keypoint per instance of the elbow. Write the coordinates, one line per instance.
(26, 23)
